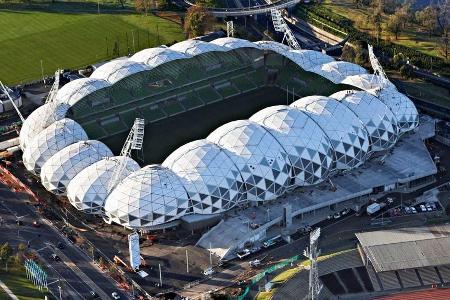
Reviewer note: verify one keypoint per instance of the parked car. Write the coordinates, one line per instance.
(36, 224)
(413, 210)
(408, 210)
(115, 295)
(345, 211)
(243, 253)
(337, 215)
(94, 295)
(208, 272)
(428, 206)
(433, 205)
(389, 200)
(55, 257)
(423, 208)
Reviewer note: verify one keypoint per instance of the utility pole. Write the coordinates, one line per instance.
(210, 255)
(187, 262)
(313, 253)
(160, 276)
(42, 71)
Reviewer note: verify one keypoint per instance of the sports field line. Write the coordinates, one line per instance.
(8, 291)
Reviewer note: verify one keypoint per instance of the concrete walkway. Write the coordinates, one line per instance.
(8, 291)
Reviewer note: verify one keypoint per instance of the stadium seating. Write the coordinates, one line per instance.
(429, 276)
(373, 278)
(389, 280)
(350, 259)
(208, 94)
(409, 278)
(445, 273)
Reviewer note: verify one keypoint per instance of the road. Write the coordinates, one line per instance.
(77, 273)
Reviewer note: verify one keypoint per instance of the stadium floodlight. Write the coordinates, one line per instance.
(133, 142)
(379, 76)
(314, 235)
(313, 253)
(230, 29)
(51, 97)
(5, 91)
(280, 25)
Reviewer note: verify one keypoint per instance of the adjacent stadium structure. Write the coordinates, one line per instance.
(278, 149)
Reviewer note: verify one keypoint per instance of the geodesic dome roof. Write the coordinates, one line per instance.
(337, 71)
(347, 133)
(378, 119)
(87, 191)
(309, 59)
(364, 81)
(210, 177)
(63, 166)
(403, 108)
(196, 47)
(273, 46)
(78, 89)
(40, 119)
(118, 69)
(308, 147)
(154, 57)
(52, 139)
(150, 196)
(261, 160)
(233, 43)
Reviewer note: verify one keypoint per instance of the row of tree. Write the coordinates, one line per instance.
(434, 19)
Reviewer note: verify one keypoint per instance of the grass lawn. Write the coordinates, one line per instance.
(18, 283)
(70, 40)
(413, 36)
(424, 90)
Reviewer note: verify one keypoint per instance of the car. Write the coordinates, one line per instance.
(330, 217)
(55, 257)
(413, 210)
(36, 224)
(241, 282)
(423, 208)
(94, 295)
(408, 209)
(390, 200)
(60, 245)
(243, 253)
(208, 272)
(428, 206)
(254, 263)
(337, 215)
(115, 295)
(433, 205)
(345, 211)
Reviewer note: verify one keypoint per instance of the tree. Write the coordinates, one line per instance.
(198, 21)
(142, 6)
(348, 53)
(5, 252)
(444, 25)
(407, 71)
(21, 247)
(122, 3)
(394, 25)
(162, 4)
(428, 18)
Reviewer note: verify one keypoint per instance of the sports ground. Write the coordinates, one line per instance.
(71, 40)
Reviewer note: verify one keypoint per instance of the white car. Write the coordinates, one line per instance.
(115, 295)
(428, 206)
(413, 210)
(337, 215)
(208, 272)
(423, 208)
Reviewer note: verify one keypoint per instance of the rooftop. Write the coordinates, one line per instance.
(406, 248)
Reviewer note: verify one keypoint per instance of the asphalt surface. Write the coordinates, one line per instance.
(75, 270)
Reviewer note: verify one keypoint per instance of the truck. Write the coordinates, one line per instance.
(374, 207)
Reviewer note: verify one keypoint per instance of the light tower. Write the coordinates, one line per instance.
(133, 142)
(54, 89)
(230, 29)
(313, 253)
(280, 25)
(379, 77)
(5, 91)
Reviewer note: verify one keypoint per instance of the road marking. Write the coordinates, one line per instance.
(86, 279)
(8, 291)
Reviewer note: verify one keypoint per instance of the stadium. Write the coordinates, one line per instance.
(341, 117)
